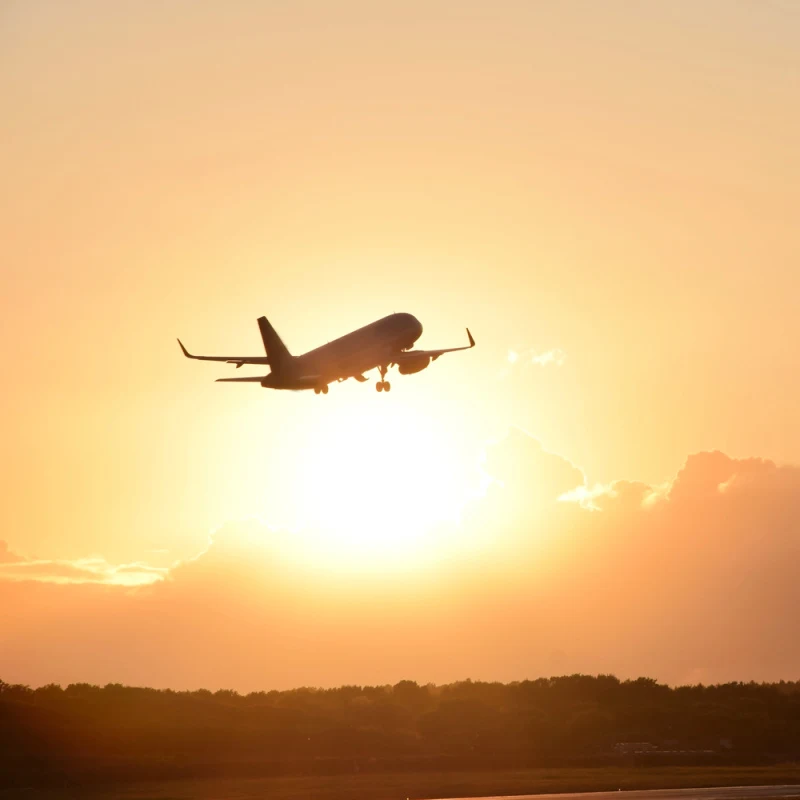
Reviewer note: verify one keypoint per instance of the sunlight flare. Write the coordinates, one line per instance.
(373, 489)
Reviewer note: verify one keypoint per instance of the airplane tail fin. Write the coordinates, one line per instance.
(276, 350)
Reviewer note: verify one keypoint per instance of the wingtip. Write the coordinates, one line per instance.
(471, 340)
(185, 351)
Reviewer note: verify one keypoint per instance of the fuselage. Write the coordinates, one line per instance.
(350, 355)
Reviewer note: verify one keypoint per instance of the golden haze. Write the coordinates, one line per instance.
(607, 193)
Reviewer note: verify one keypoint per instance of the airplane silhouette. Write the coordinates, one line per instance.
(379, 345)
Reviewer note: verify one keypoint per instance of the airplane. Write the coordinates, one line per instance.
(381, 344)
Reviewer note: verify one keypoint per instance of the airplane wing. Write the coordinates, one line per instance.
(247, 379)
(411, 355)
(238, 360)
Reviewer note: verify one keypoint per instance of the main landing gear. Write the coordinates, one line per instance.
(383, 385)
(321, 389)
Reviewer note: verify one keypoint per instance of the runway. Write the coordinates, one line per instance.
(713, 793)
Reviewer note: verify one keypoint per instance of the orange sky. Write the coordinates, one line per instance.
(615, 184)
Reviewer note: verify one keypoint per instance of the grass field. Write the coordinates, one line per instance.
(398, 786)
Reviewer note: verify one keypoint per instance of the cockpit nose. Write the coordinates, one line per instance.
(413, 326)
(411, 329)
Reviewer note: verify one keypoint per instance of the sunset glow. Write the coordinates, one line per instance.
(371, 490)
(605, 194)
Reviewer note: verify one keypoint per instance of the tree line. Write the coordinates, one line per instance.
(112, 732)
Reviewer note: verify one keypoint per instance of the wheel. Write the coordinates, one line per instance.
(379, 386)
(316, 390)
(324, 388)
(387, 387)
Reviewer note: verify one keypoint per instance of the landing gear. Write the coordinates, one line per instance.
(321, 389)
(383, 385)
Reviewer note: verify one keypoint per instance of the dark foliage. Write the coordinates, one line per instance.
(83, 732)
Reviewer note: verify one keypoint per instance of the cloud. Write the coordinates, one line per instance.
(695, 577)
(6, 556)
(600, 497)
(556, 357)
(519, 459)
(15, 567)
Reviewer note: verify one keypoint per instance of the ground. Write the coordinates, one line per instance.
(418, 785)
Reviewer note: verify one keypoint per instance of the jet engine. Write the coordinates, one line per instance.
(412, 365)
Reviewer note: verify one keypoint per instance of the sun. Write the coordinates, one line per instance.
(374, 481)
